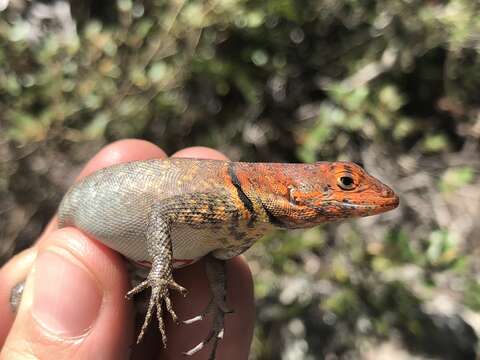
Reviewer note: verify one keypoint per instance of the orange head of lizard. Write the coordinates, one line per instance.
(322, 192)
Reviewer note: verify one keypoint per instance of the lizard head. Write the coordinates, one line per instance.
(312, 194)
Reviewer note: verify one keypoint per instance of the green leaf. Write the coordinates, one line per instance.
(96, 128)
(435, 143)
(441, 248)
(157, 71)
(391, 98)
(454, 178)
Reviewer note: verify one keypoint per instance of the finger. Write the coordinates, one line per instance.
(73, 305)
(16, 269)
(200, 152)
(120, 152)
(238, 326)
(13, 273)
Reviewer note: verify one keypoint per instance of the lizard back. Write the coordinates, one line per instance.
(114, 206)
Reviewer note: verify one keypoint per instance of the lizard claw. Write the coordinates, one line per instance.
(193, 320)
(216, 334)
(160, 294)
(210, 308)
(200, 317)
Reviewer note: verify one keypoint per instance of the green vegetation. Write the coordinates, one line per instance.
(390, 84)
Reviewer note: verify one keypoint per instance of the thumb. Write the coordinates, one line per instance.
(73, 304)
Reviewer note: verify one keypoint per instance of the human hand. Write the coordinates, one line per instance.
(73, 304)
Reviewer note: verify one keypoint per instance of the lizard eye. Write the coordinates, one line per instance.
(346, 182)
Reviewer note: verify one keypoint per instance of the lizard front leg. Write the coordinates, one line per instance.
(217, 278)
(160, 278)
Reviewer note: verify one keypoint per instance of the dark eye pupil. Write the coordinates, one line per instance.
(347, 181)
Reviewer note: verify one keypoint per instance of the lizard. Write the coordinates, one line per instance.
(165, 214)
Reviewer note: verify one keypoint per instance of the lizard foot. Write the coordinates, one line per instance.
(160, 293)
(216, 334)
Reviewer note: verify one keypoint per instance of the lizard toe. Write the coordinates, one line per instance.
(216, 335)
(200, 317)
(173, 285)
(137, 289)
(159, 295)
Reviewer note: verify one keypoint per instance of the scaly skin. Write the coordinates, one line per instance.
(170, 213)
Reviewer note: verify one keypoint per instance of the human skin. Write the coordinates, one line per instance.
(74, 307)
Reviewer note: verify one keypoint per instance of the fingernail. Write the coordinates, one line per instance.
(66, 298)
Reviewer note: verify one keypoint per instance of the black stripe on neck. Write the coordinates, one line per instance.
(273, 219)
(241, 194)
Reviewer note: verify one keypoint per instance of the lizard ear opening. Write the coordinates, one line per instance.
(298, 197)
(292, 190)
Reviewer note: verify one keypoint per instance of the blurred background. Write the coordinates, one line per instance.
(393, 85)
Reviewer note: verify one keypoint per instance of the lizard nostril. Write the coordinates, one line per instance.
(388, 193)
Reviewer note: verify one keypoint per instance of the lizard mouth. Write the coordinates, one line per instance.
(381, 204)
(389, 203)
